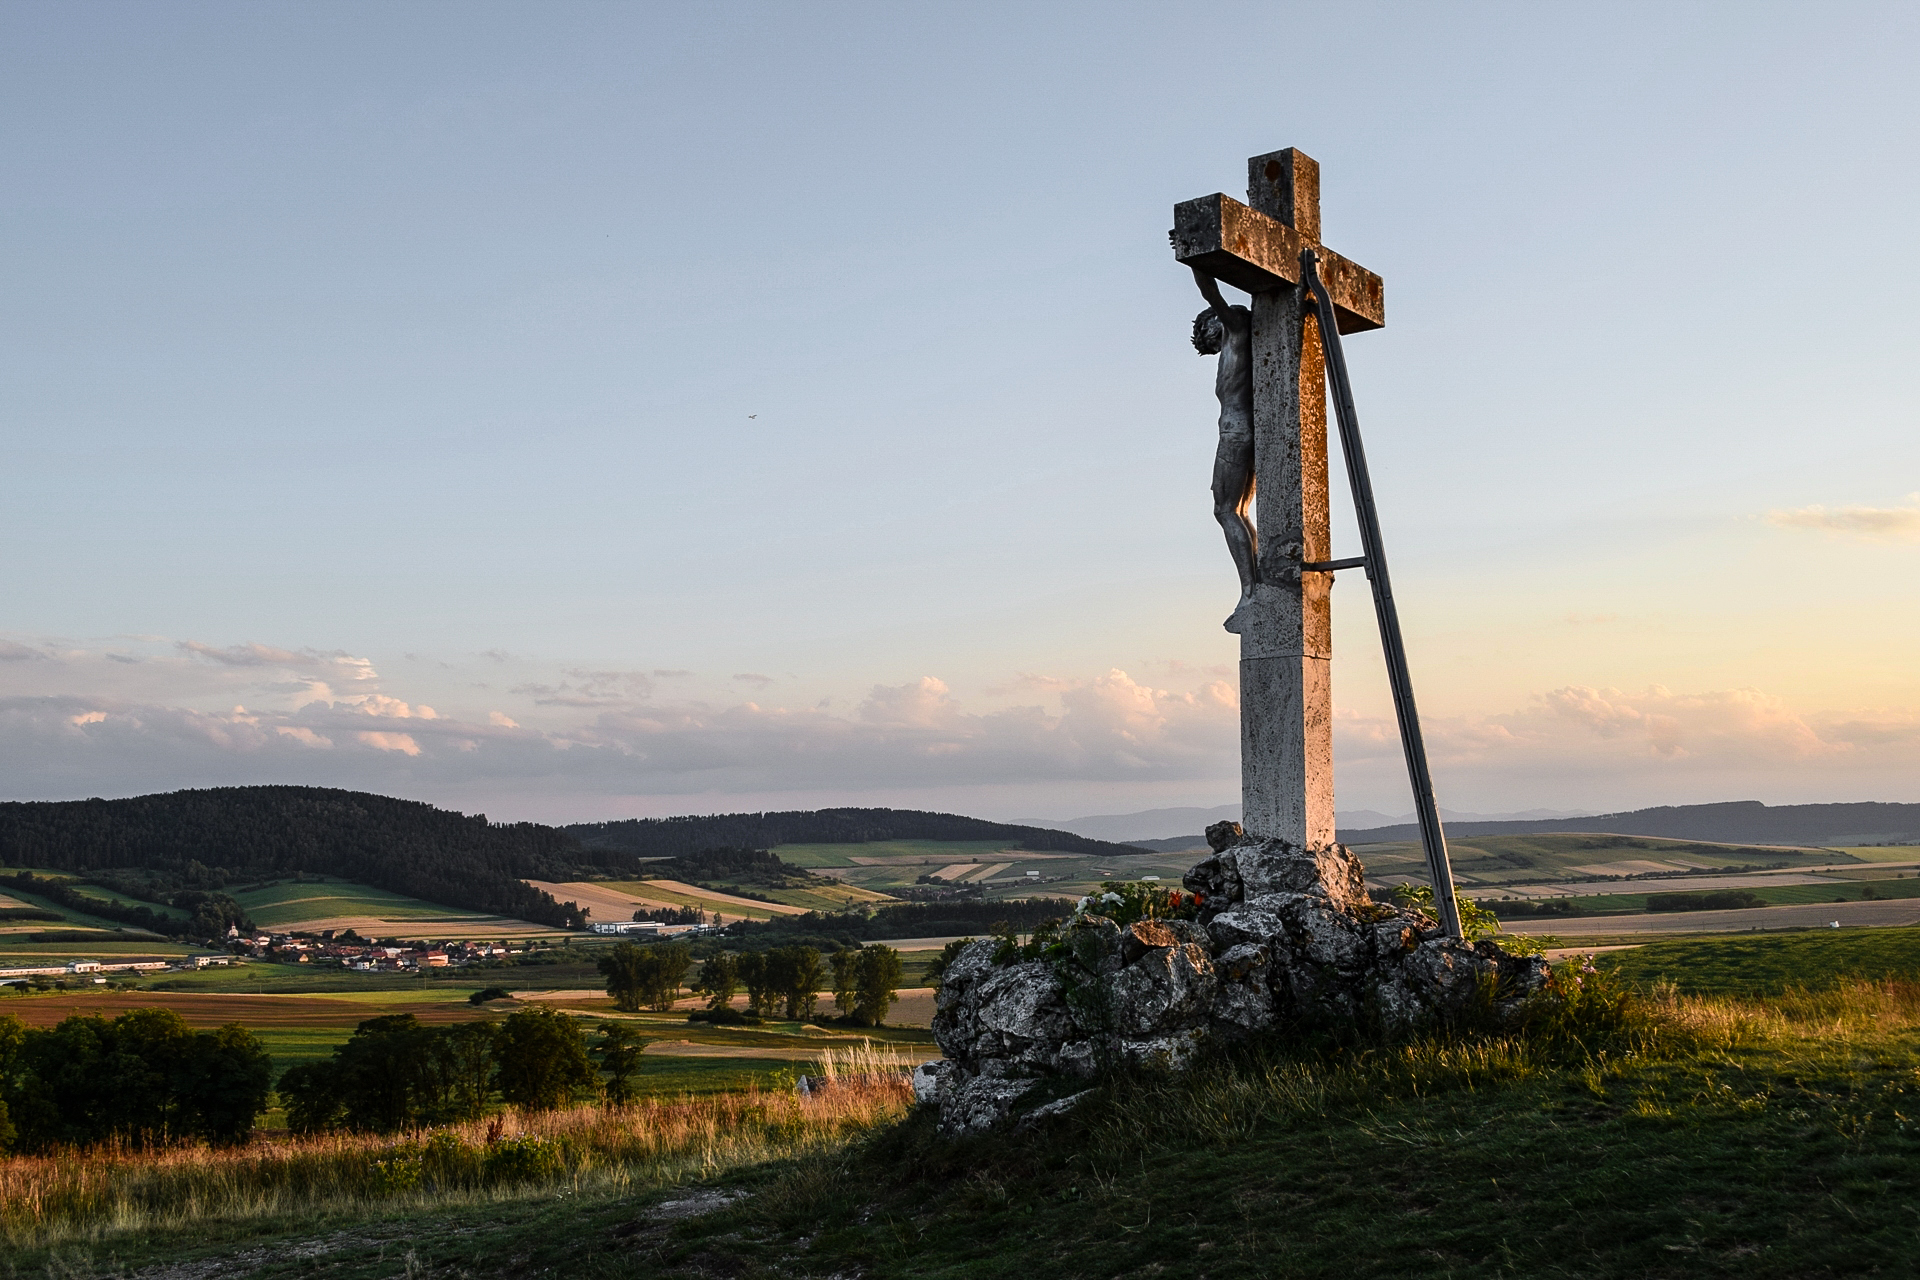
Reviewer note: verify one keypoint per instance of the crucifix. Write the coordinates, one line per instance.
(1275, 360)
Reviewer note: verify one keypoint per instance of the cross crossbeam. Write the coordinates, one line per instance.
(1247, 249)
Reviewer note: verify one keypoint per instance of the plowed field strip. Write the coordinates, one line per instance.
(217, 1010)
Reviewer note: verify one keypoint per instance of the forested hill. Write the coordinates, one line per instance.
(673, 837)
(1734, 822)
(401, 845)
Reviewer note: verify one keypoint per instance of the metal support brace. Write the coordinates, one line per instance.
(1432, 838)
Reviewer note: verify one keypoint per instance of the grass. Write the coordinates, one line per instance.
(1704, 1136)
(168, 1196)
(1744, 964)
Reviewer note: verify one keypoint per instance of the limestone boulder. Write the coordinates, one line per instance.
(1285, 936)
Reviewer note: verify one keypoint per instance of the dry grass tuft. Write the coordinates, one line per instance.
(87, 1195)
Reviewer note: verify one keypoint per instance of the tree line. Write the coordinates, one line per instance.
(394, 1073)
(144, 1078)
(783, 981)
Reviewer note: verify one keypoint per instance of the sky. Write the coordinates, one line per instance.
(580, 411)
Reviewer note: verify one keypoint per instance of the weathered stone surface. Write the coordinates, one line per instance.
(1286, 936)
(980, 1103)
(1166, 988)
(1224, 835)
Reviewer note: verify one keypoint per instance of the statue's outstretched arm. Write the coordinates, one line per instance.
(1210, 290)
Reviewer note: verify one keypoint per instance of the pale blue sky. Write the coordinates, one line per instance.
(830, 360)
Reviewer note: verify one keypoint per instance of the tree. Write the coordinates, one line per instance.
(619, 1052)
(846, 979)
(667, 965)
(463, 1067)
(384, 1074)
(143, 1078)
(227, 1077)
(756, 977)
(541, 1059)
(798, 973)
(624, 968)
(877, 984)
(719, 979)
(311, 1095)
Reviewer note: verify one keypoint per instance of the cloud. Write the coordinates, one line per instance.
(1880, 524)
(753, 677)
(155, 726)
(11, 652)
(1603, 747)
(401, 742)
(584, 688)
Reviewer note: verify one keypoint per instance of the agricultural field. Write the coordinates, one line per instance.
(619, 899)
(1897, 853)
(300, 1026)
(313, 905)
(885, 867)
(1508, 863)
(1609, 879)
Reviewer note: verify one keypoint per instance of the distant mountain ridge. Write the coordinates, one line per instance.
(1729, 822)
(1165, 829)
(676, 837)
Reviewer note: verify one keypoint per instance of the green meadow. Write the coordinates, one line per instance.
(1770, 964)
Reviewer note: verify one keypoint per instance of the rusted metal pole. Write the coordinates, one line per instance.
(1432, 838)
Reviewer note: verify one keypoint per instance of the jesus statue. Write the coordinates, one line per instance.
(1227, 331)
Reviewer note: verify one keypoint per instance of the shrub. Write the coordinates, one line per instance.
(1719, 900)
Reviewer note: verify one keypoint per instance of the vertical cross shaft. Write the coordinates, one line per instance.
(1286, 642)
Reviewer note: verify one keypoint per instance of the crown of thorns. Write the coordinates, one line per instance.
(1200, 342)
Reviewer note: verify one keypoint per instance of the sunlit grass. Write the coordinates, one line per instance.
(103, 1192)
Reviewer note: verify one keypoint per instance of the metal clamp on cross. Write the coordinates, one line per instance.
(1274, 367)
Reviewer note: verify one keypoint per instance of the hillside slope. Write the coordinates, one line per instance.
(1733, 822)
(399, 845)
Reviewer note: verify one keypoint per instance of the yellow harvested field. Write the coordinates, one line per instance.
(987, 873)
(954, 870)
(619, 899)
(1637, 867)
(5, 901)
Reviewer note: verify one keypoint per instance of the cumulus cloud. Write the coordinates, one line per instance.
(1598, 747)
(258, 714)
(1884, 524)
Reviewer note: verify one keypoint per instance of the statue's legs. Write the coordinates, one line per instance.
(1232, 494)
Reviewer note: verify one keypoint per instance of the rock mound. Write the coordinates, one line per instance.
(1284, 935)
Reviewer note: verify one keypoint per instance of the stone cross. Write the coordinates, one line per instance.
(1286, 690)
